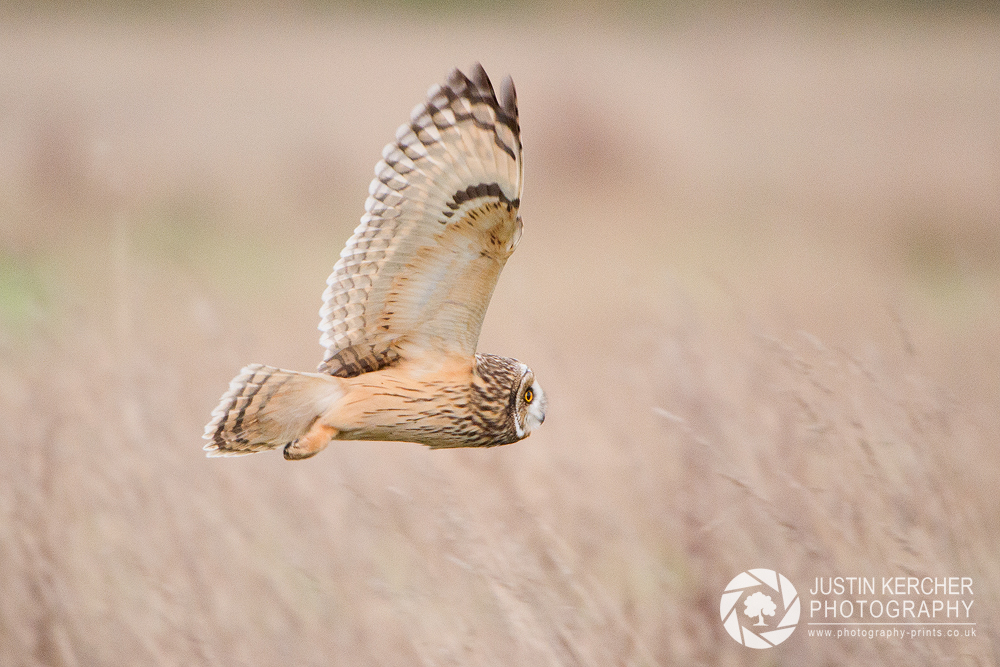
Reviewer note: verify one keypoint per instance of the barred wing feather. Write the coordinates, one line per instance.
(440, 221)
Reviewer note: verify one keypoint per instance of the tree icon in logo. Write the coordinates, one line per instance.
(763, 593)
(759, 604)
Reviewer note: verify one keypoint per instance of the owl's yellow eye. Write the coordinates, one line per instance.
(529, 395)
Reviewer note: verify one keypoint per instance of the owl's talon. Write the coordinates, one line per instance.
(312, 443)
(293, 454)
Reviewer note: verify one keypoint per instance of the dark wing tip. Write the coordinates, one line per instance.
(508, 97)
(457, 80)
(477, 81)
(481, 80)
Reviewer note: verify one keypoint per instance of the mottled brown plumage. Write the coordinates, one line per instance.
(405, 303)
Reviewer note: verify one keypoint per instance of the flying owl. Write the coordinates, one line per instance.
(405, 303)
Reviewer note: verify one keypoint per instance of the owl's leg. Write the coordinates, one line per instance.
(312, 443)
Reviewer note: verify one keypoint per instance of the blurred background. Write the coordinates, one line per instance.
(759, 281)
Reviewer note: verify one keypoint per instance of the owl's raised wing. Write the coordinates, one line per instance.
(439, 224)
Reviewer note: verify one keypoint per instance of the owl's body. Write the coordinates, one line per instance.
(404, 305)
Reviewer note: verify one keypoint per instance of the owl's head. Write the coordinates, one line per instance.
(507, 399)
(529, 404)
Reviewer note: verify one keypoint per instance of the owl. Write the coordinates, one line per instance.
(405, 303)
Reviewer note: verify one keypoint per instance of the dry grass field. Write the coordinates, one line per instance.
(759, 281)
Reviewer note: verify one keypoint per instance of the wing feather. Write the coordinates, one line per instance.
(440, 221)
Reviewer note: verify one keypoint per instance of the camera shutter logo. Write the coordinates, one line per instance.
(762, 593)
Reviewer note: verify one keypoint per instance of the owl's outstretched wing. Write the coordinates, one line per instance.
(439, 224)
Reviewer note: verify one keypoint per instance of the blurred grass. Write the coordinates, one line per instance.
(22, 294)
(758, 281)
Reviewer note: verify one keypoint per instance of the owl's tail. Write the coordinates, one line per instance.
(267, 407)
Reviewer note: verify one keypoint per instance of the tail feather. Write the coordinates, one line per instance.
(267, 407)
